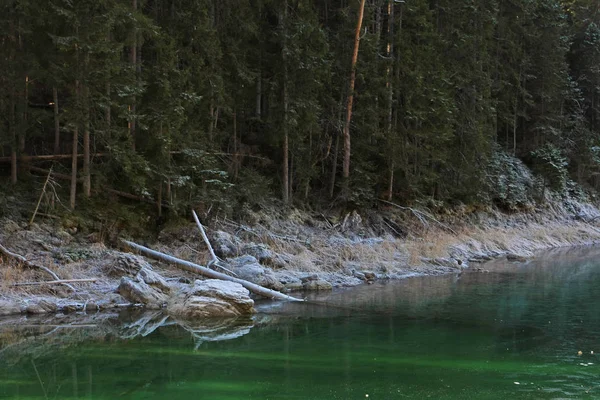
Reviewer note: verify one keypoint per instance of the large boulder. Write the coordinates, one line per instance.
(224, 244)
(137, 291)
(211, 298)
(146, 287)
(259, 251)
(248, 268)
(127, 265)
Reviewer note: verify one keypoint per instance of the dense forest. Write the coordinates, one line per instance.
(188, 102)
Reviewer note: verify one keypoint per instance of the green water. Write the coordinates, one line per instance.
(511, 333)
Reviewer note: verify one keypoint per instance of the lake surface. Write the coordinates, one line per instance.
(513, 332)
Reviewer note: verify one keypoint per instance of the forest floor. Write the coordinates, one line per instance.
(289, 251)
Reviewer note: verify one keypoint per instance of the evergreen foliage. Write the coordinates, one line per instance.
(195, 102)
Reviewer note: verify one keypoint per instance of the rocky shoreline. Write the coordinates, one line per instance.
(297, 252)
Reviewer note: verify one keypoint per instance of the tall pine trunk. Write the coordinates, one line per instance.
(56, 121)
(133, 58)
(286, 152)
(346, 161)
(74, 154)
(334, 165)
(25, 117)
(390, 88)
(13, 134)
(107, 90)
(87, 184)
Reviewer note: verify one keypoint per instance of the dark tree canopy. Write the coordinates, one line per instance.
(193, 102)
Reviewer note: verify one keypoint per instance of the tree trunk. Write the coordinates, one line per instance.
(159, 198)
(75, 142)
(87, 184)
(346, 162)
(74, 166)
(334, 165)
(286, 172)
(212, 119)
(107, 90)
(235, 146)
(23, 130)
(516, 114)
(133, 60)
(13, 134)
(56, 121)
(259, 95)
(390, 87)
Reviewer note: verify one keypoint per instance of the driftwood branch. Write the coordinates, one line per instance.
(215, 260)
(54, 174)
(56, 282)
(264, 231)
(421, 216)
(218, 265)
(105, 188)
(29, 264)
(210, 249)
(199, 269)
(37, 207)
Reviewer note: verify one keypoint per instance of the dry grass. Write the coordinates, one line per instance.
(523, 239)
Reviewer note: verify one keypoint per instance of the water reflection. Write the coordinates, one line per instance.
(511, 332)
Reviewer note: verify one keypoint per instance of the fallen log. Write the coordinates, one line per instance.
(56, 282)
(105, 188)
(49, 157)
(54, 173)
(199, 269)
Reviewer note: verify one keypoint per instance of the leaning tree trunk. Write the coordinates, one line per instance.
(350, 100)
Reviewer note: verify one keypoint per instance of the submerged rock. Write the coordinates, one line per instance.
(515, 257)
(211, 298)
(289, 281)
(318, 284)
(41, 307)
(9, 307)
(369, 275)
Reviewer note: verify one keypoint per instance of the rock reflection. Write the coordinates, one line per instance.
(34, 336)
